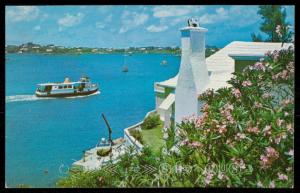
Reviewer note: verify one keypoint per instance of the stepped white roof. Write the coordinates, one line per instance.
(221, 65)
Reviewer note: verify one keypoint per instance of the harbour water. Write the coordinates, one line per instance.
(43, 137)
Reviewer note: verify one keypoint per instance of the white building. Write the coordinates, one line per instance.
(178, 97)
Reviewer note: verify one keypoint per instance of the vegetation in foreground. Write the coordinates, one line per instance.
(244, 138)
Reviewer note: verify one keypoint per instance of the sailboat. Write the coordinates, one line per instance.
(125, 67)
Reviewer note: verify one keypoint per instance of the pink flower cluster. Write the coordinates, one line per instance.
(282, 177)
(283, 75)
(226, 111)
(275, 55)
(253, 130)
(267, 130)
(208, 176)
(240, 136)
(247, 83)
(266, 95)
(259, 66)
(222, 129)
(197, 120)
(237, 93)
(257, 105)
(239, 162)
(286, 102)
(195, 144)
(270, 156)
(291, 67)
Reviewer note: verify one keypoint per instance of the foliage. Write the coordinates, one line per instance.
(244, 138)
(151, 121)
(137, 135)
(103, 152)
(273, 16)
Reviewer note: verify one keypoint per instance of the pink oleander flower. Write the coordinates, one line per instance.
(247, 83)
(286, 114)
(208, 176)
(236, 92)
(272, 184)
(282, 176)
(228, 106)
(259, 66)
(271, 152)
(266, 95)
(279, 122)
(259, 184)
(257, 105)
(277, 140)
(264, 160)
(184, 142)
(240, 136)
(284, 74)
(275, 55)
(267, 130)
(196, 144)
(291, 67)
(198, 122)
(239, 162)
(253, 130)
(291, 152)
(222, 129)
(205, 107)
(285, 102)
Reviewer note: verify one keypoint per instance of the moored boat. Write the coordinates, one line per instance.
(67, 88)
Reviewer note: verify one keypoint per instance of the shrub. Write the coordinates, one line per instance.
(151, 121)
(137, 135)
(103, 152)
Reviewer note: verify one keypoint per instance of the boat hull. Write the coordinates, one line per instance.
(83, 93)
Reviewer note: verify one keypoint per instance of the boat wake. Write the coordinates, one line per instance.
(19, 98)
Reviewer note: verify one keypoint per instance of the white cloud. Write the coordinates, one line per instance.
(70, 20)
(235, 16)
(153, 28)
(130, 20)
(37, 28)
(221, 14)
(102, 24)
(172, 11)
(22, 13)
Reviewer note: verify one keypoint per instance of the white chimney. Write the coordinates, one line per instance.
(193, 74)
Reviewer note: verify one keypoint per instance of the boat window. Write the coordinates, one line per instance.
(65, 86)
(69, 86)
(60, 87)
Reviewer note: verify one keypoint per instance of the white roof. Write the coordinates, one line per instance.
(166, 104)
(221, 65)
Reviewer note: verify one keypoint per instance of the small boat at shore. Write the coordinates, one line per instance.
(67, 88)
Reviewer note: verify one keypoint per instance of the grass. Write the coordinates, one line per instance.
(154, 138)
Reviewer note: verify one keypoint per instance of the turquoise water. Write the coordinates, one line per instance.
(50, 134)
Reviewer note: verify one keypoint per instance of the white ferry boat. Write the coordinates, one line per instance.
(66, 88)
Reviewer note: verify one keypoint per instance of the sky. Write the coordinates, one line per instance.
(129, 26)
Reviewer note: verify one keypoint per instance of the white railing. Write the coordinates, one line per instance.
(129, 139)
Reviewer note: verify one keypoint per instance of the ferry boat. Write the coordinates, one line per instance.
(67, 88)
